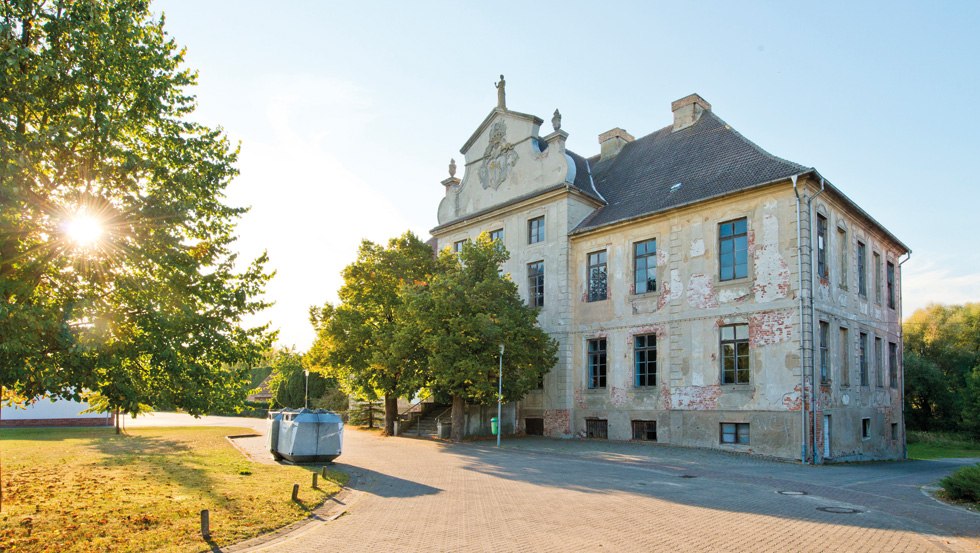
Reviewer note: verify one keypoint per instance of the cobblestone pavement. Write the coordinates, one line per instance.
(551, 495)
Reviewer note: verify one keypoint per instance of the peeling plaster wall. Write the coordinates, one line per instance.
(841, 305)
(685, 312)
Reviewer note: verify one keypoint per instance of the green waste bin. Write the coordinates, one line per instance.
(493, 425)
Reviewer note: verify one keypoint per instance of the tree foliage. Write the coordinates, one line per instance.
(94, 122)
(358, 341)
(463, 315)
(942, 348)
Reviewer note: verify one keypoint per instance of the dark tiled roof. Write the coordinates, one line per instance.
(709, 159)
(583, 176)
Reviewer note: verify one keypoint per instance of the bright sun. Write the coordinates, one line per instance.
(84, 229)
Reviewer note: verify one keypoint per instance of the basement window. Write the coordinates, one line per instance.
(645, 430)
(597, 428)
(735, 433)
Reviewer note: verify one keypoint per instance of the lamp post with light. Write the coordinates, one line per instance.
(500, 393)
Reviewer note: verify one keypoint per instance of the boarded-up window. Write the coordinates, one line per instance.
(597, 428)
(645, 430)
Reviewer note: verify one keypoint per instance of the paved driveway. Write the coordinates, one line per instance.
(551, 495)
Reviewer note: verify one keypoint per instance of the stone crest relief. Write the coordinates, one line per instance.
(498, 158)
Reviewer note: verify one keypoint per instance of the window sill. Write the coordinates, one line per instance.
(733, 282)
(650, 294)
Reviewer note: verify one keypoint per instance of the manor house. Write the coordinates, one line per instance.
(703, 291)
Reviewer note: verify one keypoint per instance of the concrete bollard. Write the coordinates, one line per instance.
(314, 480)
(295, 492)
(205, 524)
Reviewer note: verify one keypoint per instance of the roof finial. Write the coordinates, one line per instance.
(501, 94)
(452, 167)
(556, 120)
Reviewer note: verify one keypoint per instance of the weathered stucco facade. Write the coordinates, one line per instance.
(685, 284)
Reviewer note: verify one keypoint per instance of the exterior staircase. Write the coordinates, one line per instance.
(423, 423)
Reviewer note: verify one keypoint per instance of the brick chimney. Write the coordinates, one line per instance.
(688, 110)
(612, 141)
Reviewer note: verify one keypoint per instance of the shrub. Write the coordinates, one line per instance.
(964, 484)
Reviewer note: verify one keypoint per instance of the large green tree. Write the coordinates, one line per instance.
(942, 346)
(117, 273)
(359, 341)
(463, 315)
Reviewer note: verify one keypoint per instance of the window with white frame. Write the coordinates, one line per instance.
(597, 276)
(735, 354)
(645, 266)
(535, 230)
(645, 360)
(733, 249)
(535, 284)
(596, 359)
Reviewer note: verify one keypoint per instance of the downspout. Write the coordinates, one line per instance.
(901, 356)
(813, 315)
(799, 260)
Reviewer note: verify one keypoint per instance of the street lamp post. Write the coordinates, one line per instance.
(500, 393)
(306, 389)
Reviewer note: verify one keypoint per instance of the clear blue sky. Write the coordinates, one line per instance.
(349, 113)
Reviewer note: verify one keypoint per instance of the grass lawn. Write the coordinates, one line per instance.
(938, 445)
(77, 490)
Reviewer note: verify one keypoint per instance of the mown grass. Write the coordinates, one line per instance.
(938, 445)
(82, 490)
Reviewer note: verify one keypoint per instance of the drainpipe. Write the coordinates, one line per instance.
(813, 315)
(901, 352)
(799, 260)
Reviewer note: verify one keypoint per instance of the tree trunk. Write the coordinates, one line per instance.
(391, 411)
(117, 420)
(459, 405)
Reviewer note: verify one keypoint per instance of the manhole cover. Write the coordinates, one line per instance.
(790, 492)
(838, 510)
(688, 476)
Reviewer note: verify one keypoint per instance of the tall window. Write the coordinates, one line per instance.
(890, 275)
(645, 266)
(535, 230)
(879, 363)
(821, 246)
(645, 359)
(863, 351)
(733, 249)
(842, 241)
(535, 284)
(597, 276)
(845, 365)
(877, 262)
(893, 364)
(862, 262)
(497, 235)
(735, 354)
(597, 363)
(824, 352)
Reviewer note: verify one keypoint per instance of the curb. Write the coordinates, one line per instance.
(332, 508)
